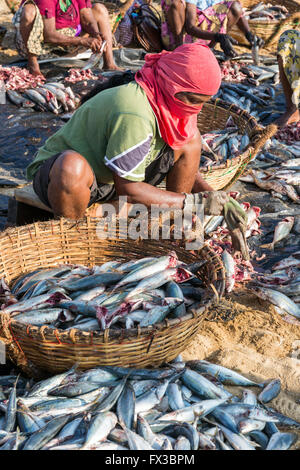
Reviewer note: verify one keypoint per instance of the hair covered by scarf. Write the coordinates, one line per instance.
(189, 68)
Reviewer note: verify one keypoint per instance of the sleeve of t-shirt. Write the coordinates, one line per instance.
(47, 8)
(129, 143)
(194, 2)
(84, 4)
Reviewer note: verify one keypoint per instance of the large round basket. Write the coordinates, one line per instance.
(214, 115)
(47, 244)
(271, 30)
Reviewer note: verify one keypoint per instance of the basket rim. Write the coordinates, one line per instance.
(123, 333)
(251, 121)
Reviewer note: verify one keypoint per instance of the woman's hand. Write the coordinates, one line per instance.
(214, 202)
(226, 42)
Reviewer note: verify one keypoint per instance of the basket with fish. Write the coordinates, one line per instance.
(219, 122)
(268, 19)
(75, 297)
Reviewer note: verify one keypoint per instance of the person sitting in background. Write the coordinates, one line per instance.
(124, 141)
(204, 21)
(289, 70)
(42, 25)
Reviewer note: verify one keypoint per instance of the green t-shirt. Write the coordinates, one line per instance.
(116, 131)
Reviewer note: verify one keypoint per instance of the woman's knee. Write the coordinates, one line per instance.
(100, 9)
(71, 170)
(236, 9)
(28, 13)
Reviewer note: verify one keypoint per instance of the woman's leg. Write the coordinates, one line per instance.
(236, 17)
(176, 18)
(101, 16)
(70, 180)
(26, 24)
(292, 112)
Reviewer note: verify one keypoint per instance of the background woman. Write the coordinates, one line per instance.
(204, 21)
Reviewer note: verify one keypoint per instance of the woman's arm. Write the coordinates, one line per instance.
(53, 36)
(144, 193)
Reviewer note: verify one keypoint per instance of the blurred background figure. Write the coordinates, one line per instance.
(289, 70)
(204, 21)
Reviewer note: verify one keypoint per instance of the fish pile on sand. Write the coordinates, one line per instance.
(276, 169)
(281, 284)
(52, 96)
(116, 294)
(181, 406)
(266, 12)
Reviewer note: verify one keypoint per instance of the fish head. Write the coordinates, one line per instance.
(173, 259)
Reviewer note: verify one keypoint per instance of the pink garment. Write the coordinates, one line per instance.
(68, 19)
(213, 19)
(190, 68)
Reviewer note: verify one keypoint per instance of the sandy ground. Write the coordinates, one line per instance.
(7, 51)
(258, 343)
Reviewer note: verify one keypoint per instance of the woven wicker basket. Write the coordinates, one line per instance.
(47, 244)
(214, 115)
(270, 31)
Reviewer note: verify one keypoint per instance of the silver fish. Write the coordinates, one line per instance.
(190, 413)
(281, 441)
(278, 299)
(225, 375)
(38, 439)
(100, 427)
(270, 392)
(282, 230)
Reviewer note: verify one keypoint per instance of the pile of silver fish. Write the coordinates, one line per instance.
(222, 144)
(266, 12)
(52, 96)
(289, 133)
(116, 294)
(277, 169)
(256, 100)
(281, 285)
(181, 406)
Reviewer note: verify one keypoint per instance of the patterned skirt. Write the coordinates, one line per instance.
(289, 51)
(213, 19)
(36, 44)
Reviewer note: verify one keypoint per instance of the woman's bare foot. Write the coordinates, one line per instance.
(33, 67)
(290, 116)
(112, 66)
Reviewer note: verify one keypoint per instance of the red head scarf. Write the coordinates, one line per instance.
(191, 67)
